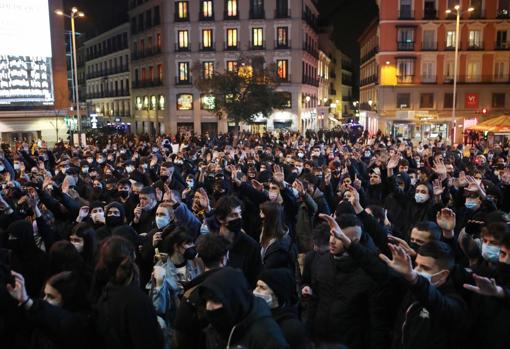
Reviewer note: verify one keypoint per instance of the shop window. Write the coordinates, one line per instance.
(161, 102)
(184, 101)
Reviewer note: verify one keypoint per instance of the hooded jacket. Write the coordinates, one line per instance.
(247, 318)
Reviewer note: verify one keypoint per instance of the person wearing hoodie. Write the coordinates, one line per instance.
(116, 224)
(236, 316)
(276, 288)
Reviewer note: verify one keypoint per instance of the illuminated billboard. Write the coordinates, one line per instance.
(26, 77)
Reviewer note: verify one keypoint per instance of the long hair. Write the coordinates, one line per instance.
(117, 261)
(88, 234)
(273, 226)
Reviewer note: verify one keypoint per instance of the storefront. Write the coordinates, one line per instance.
(370, 121)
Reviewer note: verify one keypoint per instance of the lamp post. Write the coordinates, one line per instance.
(458, 13)
(74, 14)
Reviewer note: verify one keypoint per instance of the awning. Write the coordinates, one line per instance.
(499, 124)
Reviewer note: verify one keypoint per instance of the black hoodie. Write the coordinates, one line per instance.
(247, 318)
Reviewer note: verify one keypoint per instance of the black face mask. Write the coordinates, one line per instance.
(235, 226)
(123, 194)
(113, 221)
(220, 320)
(190, 253)
(414, 246)
(163, 178)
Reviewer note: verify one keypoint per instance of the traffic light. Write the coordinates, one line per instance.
(484, 111)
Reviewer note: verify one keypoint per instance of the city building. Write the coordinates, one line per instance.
(35, 98)
(172, 42)
(107, 78)
(347, 85)
(407, 66)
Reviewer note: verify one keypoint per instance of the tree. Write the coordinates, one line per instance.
(244, 93)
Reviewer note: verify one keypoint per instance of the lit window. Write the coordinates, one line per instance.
(450, 39)
(160, 72)
(138, 103)
(207, 38)
(207, 9)
(184, 101)
(153, 102)
(232, 37)
(208, 69)
(183, 39)
(145, 102)
(182, 9)
(282, 37)
(232, 66)
(161, 102)
(231, 8)
(282, 66)
(183, 71)
(475, 39)
(207, 102)
(257, 37)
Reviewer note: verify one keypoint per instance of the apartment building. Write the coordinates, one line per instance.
(407, 66)
(108, 78)
(175, 42)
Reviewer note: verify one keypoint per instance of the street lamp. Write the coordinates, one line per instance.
(74, 13)
(456, 57)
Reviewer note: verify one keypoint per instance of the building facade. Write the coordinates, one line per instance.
(107, 76)
(407, 66)
(176, 41)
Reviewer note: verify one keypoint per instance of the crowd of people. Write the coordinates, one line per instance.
(279, 240)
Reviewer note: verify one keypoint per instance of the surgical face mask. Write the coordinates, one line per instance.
(421, 198)
(123, 151)
(52, 302)
(16, 166)
(299, 169)
(178, 162)
(78, 246)
(300, 154)
(367, 154)
(97, 217)
(295, 192)
(162, 221)
(155, 150)
(130, 169)
(85, 169)
(190, 253)
(425, 275)
(471, 204)
(266, 297)
(2, 167)
(190, 184)
(413, 181)
(100, 160)
(490, 252)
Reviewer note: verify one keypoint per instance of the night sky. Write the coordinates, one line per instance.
(349, 18)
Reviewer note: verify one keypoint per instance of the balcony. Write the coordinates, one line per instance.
(310, 81)
(204, 17)
(179, 48)
(369, 55)
(287, 79)
(257, 13)
(145, 53)
(478, 13)
(346, 81)
(405, 46)
(429, 46)
(475, 46)
(429, 14)
(177, 18)
(106, 72)
(370, 80)
(258, 45)
(428, 79)
(186, 82)
(108, 94)
(405, 14)
(312, 51)
(502, 45)
(311, 20)
(405, 79)
(282, 45)
(230, 17)
(282, 13)
(231, 47)
(209, 48)
(147, 83)
(108, 51)
(503, 13)
(449, 47)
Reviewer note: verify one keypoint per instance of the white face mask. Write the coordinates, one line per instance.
(129, 169)
(425, 275)
(421, 198)
(16, 166)
(266, 297)
(490, 253)
(78, 246)
(97, 217)
(52, 302)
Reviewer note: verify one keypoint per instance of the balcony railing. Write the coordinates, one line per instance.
(428, 79)
(106, 72)
(258, 46)
(257, 14)
(282, 13)
(475, 46)
(108, 94)
(228, 47)
(210, 48)
(502, 45)
(282, 45)
(179, 48)
(478, 79)
(370, 80)
(405, 46)
(311, 20)
(101, 53)
(283, 80)
(202, 17)
(181, 82)
(180, 19)
(228, 17)
(478, 13)
(405, 79)
(430, 14)
(406, 14)
(147, 83)
(450, 47)
(145, 53)
(429, 46)
(503, 13)
(310, 81)
(312, 51)
(369, 54)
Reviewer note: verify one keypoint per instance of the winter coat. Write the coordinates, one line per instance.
(245, 255)
(293, 329)
(304, 226)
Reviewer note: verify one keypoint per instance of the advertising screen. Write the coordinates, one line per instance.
(25, 53)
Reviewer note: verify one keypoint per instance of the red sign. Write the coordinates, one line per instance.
(471, 100)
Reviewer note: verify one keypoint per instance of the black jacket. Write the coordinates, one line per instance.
(346, 306)
(146, 222)
(293, 329)
(250, 324)
(126, 319)
(245, 255)
(280, 254)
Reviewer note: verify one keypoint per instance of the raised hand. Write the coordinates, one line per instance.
(157, 238)
(18, 290)
(335, 229)
(462, 179)
(357, 182)
(257, 185)
(393, 162)
(403, 244)
(437, 187)
(299, 186)
(278, 175)
(439, 168)
(485, 287)
(446, 219)
(84, 212)
(204, 199)
(401, 262)
(137, 213)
